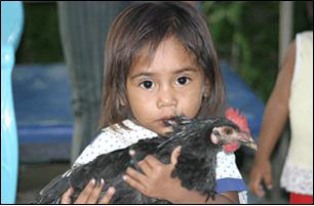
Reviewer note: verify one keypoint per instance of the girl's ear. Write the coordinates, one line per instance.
(122, 102)
(206, 94)
(206, 89)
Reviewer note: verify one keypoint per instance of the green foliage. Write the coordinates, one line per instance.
(246, 35)
(40, 41)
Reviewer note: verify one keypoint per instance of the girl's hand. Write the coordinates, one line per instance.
(155, 181)
(89, 195)
(260, 173)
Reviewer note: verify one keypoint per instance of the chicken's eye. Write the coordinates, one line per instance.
(228, 131)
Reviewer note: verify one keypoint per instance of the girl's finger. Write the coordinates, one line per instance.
(66, 197)
(82, 198)
(106, 199)
(144, 166)
(135, 175)
(135, 184)
(152, 161)
(94, 195)
(175, 154)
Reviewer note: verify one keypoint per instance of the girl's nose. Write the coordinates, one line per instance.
(167, 98)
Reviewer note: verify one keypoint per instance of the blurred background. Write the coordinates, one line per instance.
(245, 33)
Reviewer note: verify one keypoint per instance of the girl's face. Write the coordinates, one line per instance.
(172, 84)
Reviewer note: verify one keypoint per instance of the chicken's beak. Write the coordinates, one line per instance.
(248, 141)
(251, 145)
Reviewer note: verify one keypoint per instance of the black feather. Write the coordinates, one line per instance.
(195, 167)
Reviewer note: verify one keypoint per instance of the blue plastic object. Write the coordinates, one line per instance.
(11, 29)
(243, 98)
(12, 21)
(42, 96)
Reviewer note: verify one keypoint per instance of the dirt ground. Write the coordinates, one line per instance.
(33, 177)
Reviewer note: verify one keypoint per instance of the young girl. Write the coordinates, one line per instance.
(160, 62)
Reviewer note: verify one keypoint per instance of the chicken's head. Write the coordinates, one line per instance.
(232, 137)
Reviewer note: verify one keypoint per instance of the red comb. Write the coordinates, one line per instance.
(239, 119)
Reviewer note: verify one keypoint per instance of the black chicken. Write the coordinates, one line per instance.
(200, 141)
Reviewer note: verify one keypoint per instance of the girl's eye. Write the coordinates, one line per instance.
(183, 80)
(147, 84)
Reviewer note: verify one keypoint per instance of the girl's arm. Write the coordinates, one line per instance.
(156, 181)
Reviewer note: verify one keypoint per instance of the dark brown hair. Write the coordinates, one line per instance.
(146, 25)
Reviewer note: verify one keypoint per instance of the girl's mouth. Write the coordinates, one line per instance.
(169, 121)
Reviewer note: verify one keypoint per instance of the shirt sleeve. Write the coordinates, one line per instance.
(100, 145)
(106, 141)
(113, 139)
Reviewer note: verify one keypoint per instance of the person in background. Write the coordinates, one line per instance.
(292, 97)
(83, 28)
